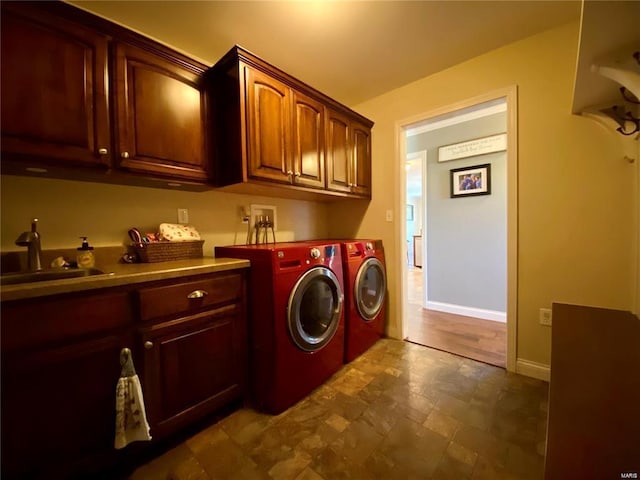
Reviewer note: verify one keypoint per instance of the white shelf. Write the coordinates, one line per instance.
(609, 35)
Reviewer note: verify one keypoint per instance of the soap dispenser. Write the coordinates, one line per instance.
(85, 255)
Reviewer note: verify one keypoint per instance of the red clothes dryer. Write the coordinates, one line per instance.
(365, 279)
(296, 319)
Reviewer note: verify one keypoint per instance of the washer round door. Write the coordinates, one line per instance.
(370, 287)
(315, 308)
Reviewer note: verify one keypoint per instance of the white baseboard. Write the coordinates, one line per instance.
(533, 369)
(493, 315)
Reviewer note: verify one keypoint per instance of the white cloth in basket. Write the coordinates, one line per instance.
(177, 233)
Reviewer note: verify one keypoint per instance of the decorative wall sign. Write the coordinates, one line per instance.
(470, 148)
(469, 181)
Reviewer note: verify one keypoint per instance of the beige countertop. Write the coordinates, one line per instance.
(118, 274)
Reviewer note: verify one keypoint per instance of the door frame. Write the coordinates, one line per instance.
(510, 94)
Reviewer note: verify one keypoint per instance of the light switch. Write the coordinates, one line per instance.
(389, 216)
(183, 216)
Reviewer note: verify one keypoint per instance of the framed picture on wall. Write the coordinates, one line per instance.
(468, 181)
(409, 212)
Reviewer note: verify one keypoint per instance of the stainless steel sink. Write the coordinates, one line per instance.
(46, 275)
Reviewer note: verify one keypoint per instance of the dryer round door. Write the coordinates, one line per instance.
(314, 309)
(370, 287)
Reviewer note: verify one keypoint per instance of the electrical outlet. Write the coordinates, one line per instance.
(245, 214)
(545, 316)
(183, 216)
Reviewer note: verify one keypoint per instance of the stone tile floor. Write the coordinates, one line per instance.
(400, 411)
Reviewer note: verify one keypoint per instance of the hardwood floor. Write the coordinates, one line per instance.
(474, 338)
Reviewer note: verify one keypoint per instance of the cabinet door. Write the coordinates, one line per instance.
(192, 366)
(338, 138)
(58, 406)
(160, 116)
(268, 127)
(308, 141)
(60, 366)
(361, 165)
(54, 95)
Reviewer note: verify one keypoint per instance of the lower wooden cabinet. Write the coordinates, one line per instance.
(58, 406)
(58, 382)
(61, 364)
(192, 366)
(192, 340)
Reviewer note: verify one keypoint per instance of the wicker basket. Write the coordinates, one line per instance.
(166, 251)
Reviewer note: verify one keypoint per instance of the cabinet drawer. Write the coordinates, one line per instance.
(41, 321)
(187, 297)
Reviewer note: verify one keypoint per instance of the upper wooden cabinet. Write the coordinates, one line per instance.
(268, 117)
(285, 137)
(159, 115)
(54, 89)
(348, 155)
(361, 161)
(270, 128)
(308, 141)
(84, 98)
(63, 70)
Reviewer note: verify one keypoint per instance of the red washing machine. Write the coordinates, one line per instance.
(365, 279)
(296, 319)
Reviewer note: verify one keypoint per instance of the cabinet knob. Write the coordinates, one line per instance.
(289, 172)
(124, 154)
(198, 294)
(103, 151)
(297, 174)
(148, 345)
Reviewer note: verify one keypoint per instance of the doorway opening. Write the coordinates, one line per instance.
(459, 229)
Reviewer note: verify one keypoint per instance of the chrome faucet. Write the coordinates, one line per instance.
(31, 240)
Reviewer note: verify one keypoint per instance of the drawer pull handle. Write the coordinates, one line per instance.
(148, 345)
(197, 294)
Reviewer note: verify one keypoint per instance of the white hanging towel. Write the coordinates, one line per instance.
(131, 419)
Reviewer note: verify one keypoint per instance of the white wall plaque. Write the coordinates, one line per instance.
(470, 148)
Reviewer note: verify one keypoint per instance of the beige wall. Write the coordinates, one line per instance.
(577, 195)
(576, 192)
(104, 213)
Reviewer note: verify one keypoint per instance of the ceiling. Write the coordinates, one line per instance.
(350, 50)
